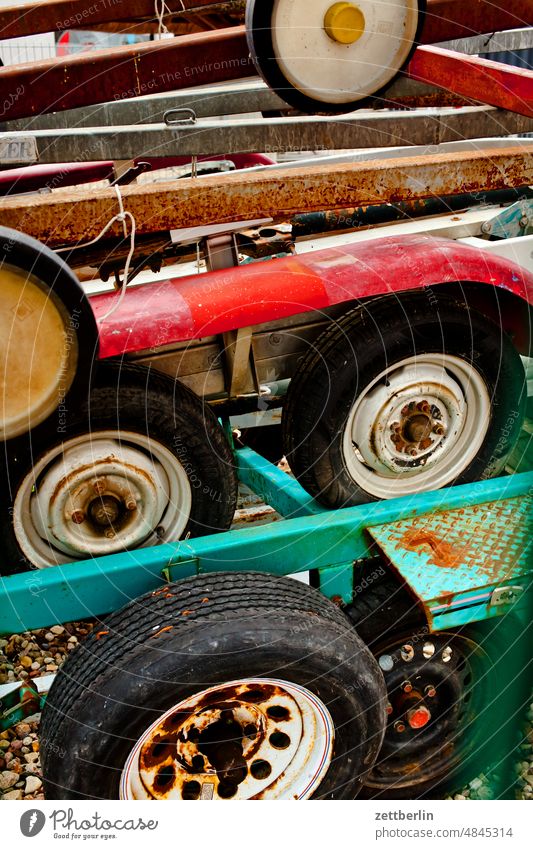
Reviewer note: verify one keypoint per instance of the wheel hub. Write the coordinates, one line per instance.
(254, 739)
(96, 495)
(429, 689)
(418, 424)
(344, 22)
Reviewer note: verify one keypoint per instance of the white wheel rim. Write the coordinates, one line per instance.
(38, 353)
(273, 725)
(417, 426)
(100, 493)
(327, 70)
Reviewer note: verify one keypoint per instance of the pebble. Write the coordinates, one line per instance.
(31, 757)
(13, 795)
(33, 784)
(8, 778)
(57, 629)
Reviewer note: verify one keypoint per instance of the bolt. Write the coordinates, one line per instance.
(99, 486)
(389, 708)
(78, 517)
(109, 533)
(423, 406)
(438, 429)
(395, 426)
(399, 727)
(131, 504)
(430, 691)
(405, 409)
(407, 686)
(412, 452)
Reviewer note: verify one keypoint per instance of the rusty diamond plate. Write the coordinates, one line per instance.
(457, 551)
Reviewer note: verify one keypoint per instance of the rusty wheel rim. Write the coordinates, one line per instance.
(257, 738)
(433, 709)
(100, 493)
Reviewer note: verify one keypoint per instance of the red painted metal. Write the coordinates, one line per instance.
(445, 19)
(59, 15)
(35, 177)
(102, 75)
(482, 80)
(177, 310)
(449, 19)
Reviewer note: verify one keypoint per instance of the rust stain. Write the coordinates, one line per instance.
(162, 630)
(442, 553)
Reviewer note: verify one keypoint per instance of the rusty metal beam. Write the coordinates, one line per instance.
(447, 19)
(87, 78)
(58, 15)
(69, 218)
(475, 78)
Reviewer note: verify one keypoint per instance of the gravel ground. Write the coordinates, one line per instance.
(37, 653)
(22, 656)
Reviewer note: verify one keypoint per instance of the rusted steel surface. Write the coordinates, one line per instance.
(476, 78)
(87, 78)
(450, 554)
(58, 15)
(80, 215)
(446, 19)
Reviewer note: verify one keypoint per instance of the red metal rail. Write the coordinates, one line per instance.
(222, 55)
(445, 19)
(492, 83)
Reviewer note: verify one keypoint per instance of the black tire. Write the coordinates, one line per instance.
(481, 692)
(133, 399)
(369, 340)
(263, 53)
(43, 269)
(209, 630)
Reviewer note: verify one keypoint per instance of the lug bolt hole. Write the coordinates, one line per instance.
(226, 790)
(260, 770)
(279, 740)
(197, 763)
(278, 712)
(191, 790)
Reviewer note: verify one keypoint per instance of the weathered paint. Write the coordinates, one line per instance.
(475, 78)
(189, 308)
(325, 541)
(62, 219)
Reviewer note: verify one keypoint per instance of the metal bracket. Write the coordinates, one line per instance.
(183, 115)
(505, 595)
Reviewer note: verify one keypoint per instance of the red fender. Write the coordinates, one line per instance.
(169, 311)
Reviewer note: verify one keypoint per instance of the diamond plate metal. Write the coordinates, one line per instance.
(456, 556)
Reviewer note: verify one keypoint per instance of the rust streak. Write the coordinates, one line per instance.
(442, 553)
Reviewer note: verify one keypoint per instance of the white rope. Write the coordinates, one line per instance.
(161, 9)
(122, 216)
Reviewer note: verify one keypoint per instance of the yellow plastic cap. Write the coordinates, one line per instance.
(344, 23)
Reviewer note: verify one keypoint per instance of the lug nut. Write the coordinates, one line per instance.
(131, 504)
(389, 708)
(395, 426)
(430, 691)
(399, 727)
(109, 533)
(99, 486)
(412, 452)
(438, 429)
(78, 516)
(407, 686)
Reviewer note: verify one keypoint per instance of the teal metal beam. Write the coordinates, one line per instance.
(325, 540)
